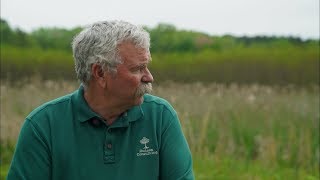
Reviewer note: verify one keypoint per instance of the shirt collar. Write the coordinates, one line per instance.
(83, 112)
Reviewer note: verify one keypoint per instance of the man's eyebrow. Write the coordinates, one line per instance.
(146, 62)
(140, 65)
(149, 60)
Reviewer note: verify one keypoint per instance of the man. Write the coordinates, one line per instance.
(110, 128)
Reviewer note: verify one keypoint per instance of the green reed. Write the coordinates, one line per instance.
(234, 132)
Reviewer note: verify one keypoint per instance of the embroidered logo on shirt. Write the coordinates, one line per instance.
(146, 151)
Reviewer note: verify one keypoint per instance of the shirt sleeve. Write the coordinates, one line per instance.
(175, 155)
(31, 159)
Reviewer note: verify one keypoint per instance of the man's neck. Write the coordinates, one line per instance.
(103, 105)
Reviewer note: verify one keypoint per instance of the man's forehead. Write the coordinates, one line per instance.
(131, 45)
(129, 49)
(138, 62)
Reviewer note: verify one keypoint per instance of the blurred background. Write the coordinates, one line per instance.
(242, 75)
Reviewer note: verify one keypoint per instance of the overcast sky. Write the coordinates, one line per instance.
(215, 17)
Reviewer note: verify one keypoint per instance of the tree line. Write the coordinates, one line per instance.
(178, 55)
(164, 38)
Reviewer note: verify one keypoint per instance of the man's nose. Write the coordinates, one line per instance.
(147, 77)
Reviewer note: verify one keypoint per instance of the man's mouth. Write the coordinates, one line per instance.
(143, 89)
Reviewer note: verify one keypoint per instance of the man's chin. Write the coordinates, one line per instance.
(139, 100)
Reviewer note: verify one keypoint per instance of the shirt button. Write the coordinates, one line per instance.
(109, 146)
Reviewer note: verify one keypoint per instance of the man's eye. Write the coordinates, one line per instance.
(142, 68)
(139, 68)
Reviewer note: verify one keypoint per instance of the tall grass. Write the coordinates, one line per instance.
(275, 127)
(234, 132)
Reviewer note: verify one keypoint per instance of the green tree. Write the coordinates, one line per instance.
(55, 38)
(7, 34)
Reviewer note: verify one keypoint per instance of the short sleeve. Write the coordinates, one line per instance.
(31, 159)
(175, 155)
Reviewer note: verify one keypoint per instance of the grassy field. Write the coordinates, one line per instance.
(234, 132)
(273, 65)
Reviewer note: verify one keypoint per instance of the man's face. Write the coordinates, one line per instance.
(133, 78)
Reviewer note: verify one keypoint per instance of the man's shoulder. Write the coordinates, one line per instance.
(50, 106)
(157, 102)
(148, 98)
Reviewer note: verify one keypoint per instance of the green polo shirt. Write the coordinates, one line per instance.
(65, 139)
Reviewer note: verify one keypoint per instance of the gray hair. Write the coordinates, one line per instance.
(98, 43)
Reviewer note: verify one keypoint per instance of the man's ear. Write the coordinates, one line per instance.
(99, 75)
